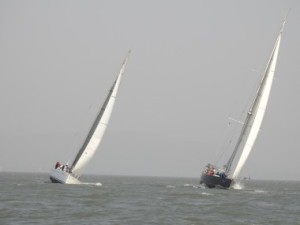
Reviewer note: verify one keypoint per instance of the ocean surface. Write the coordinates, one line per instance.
(121, 200)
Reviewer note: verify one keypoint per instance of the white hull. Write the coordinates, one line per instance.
(71, 174)
(59, 176)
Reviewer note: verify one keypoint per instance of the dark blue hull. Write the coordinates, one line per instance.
(215, 181)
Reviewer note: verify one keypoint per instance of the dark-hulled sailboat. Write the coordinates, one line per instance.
(213, 176)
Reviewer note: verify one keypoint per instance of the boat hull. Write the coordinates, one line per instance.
(60, 176)
(215, 181)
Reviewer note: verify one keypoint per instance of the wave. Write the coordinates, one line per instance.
(206, 194)
(193, 186)
(238, 186)
(98, 184)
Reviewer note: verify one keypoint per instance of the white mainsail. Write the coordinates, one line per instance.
(255, 115)
(96, 133)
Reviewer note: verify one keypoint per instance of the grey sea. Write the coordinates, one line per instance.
(111, 200)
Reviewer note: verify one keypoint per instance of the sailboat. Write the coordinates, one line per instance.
(213, 176)
(70, 174)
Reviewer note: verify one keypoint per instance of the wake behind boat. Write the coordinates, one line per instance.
(70, 174)
(213, 176)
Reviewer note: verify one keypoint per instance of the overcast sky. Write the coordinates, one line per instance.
(193, 65)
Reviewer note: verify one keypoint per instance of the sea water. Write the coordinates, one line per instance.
(120, 200)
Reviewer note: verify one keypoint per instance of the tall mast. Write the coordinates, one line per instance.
(98, 128)
(255, 114)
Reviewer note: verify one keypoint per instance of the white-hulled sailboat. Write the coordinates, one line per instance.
(70, 174)
(213, 176)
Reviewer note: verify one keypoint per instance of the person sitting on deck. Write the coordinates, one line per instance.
(66, 168)
(210, 171)
(57, 165)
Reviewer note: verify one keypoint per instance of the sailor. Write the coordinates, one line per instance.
(215, 171)
(67, 169)
(210, 172)
(57, 165)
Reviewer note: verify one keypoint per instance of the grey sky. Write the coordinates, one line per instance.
(193, 64)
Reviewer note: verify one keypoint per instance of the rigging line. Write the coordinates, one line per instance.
(77, 140)
(229, 140)
(232, 135)
(223, 145)
(236, 136)
(239, 107)
(249, 96)
(237, 121)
